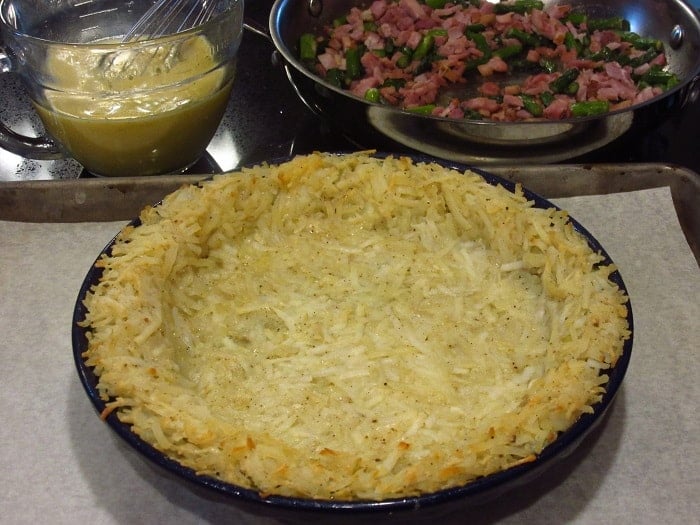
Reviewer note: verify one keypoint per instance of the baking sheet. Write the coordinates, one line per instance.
(641, 466)
(122, 198)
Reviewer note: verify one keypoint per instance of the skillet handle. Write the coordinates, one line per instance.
(312, 106)
(259, 29)
(693, 90)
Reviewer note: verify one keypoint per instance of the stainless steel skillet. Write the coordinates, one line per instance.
(674, 22)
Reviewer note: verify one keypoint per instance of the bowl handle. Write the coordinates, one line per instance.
(38, 148)
(256, 28)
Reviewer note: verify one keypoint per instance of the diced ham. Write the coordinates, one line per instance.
(375, 66)
(413, 7)
(646, 94)
(639, 71)
(404, 23)
(481, 103)
(606, 37)
(423, 90)
(378, 8)
(332, 60)
(456, 44)
(533, 55)
(494, 65)
(617, 84)
(538, 84)
(373, 41)
(360, 87)
(523, 115)
(617, 72)
(547, 26)
(504, 19)
(490, 89)
(660, 60)
(583, 63)
(390, 94)
(447, 11)
(513, 101)
(426, 23)
(414, 39)
(451, 110)
(558, 109)
(558, 11)
(452, 70)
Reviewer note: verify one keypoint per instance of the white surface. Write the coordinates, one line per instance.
(60, 464)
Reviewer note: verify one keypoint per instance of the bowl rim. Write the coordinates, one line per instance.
(235, 11)
(486, 487)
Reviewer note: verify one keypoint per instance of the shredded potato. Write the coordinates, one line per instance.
(347, 327)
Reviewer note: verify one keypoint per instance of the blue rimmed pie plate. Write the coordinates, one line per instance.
(425, 506)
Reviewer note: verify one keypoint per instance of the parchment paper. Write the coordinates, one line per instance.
(60, 464)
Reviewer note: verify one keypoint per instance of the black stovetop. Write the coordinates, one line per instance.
(266, 120)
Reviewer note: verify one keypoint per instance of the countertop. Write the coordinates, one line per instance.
(266, 119)
(61, 464)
